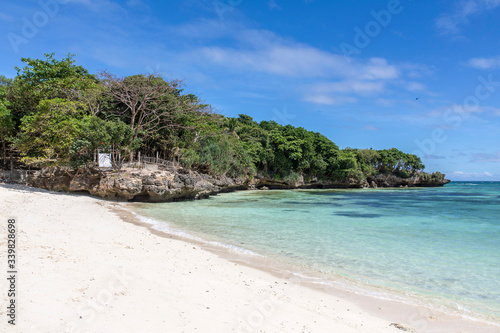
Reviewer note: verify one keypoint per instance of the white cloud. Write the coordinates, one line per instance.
(340, 92)
(445, 117)
(280, 60)
(6, 18)
(434, 157)
(323, 99)
(415, 71)
(285, 60)
(273, 5)
(492, 3)
(378, 68)
(266, 52)
(385, 102)
(492, 109)
(487, 157)
(370, 127)
(104, 7)
(446, 25)
(460, 175)
(202, 29)
(449, 23)
(465, 110)
(484, 63)
(415, 86)
(358, 87)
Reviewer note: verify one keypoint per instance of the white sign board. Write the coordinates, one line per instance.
(105, 160)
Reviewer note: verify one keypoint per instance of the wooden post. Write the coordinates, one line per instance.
(11, 164)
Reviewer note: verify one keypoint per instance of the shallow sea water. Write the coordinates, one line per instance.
(435, 246)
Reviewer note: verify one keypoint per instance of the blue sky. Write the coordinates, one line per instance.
(421, 76)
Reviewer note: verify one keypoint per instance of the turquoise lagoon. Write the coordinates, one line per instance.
(438, 246)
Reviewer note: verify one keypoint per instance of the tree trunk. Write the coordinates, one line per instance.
(11, 162)
(4, 153)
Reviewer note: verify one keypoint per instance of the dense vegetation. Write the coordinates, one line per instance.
(57, 113)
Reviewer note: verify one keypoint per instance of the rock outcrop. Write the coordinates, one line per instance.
(175, 185)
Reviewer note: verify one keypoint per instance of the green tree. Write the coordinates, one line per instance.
(368, 159)
(57, 112)
(6, 128)
(47, 135)
(346, 165)
(149, 104)
(47, 79)
(287, 149)
(6, 121)
(97, 133)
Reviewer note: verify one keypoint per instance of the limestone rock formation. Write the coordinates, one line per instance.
(174, 185)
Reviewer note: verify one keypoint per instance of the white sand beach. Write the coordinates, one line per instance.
(84, 268)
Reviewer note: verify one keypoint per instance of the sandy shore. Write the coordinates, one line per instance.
(83, 268)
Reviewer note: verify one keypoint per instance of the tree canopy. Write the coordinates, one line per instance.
(56, 112)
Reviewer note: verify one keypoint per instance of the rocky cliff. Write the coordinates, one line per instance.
(153, 185)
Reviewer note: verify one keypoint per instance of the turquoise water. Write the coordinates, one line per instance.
(437, 246)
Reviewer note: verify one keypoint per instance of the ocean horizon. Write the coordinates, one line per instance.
(437, 247)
